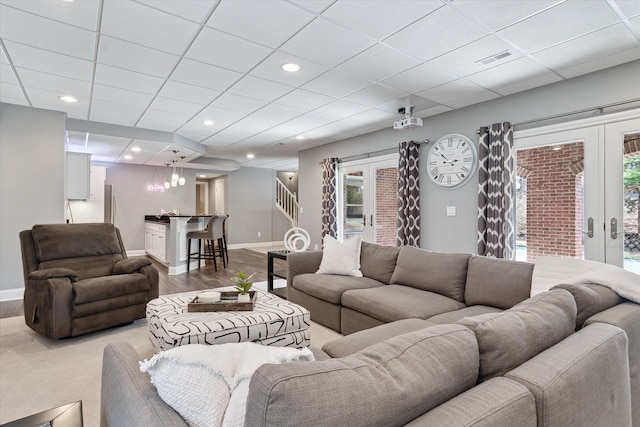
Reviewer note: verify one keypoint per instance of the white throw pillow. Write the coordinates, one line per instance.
(341, 258)
(208, 385)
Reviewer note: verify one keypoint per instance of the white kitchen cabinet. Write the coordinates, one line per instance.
(155, 240)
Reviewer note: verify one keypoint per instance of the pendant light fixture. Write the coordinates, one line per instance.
(167, 184)
(181, 180)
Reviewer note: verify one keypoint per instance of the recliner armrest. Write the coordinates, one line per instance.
(131, 265)
(53, 273)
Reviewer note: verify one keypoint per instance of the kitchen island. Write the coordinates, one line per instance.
(165, 239)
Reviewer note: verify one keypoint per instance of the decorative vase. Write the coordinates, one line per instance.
(244, 298)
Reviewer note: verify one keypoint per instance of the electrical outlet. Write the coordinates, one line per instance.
(451, 211)
(259, 234)
(301, 209)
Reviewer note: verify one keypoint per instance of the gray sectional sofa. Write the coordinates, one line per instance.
(431, 339)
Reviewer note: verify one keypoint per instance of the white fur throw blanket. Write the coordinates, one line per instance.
(208, 384)
(550, 271)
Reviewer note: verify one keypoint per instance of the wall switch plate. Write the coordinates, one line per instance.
(301, 209)
(451, 211)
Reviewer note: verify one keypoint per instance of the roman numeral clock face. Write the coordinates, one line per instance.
(452, 161)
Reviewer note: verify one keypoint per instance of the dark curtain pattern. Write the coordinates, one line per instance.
(408, 223)
(496, 221)
(329, 210)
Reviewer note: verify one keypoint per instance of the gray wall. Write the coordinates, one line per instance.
(32, 182)
(458, 234)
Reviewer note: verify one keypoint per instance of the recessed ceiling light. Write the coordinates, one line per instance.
(290, 67)
(136, 149)
(128, 157)
(250, 156)
(68, 98)
(300, 137)
(203, 176)
(208, 122)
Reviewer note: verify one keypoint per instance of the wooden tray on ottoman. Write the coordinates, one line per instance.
(228, 302)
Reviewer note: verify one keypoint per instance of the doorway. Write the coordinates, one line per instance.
(367, 199)
(575, 191)
(202, 197)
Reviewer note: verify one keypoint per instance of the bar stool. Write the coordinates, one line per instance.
(209, 235)
(220, 239)
(224, 236)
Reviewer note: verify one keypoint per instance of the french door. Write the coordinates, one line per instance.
(367, 199)
(571, 198)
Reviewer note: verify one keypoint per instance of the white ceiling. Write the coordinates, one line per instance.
(168, 65)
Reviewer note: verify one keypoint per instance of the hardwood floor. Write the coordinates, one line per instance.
(204, 278)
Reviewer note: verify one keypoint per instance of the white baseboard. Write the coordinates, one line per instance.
(255, 245)
(11, 294)
(139, 252)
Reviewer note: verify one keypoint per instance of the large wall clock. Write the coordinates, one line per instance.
(452, 160)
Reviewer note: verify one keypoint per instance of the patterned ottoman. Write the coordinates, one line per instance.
(273, 321)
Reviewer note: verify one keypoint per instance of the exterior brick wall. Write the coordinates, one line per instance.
(554, 200)
(386, 205)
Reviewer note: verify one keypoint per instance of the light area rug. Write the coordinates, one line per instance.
(37, 374)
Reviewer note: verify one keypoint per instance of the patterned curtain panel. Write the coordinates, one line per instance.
(408, 196)
(329, 210)
(496, 220)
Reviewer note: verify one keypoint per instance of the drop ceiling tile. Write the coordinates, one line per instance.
(254, 87)
(375, 116)
(304, 123)
(558, 24)
(49, 62)
(7, 75)
(232, 134)
(188, 93)
(600, 63)
(174, 106)
(62, 85)
(268, 23)
(32, 30)
(508, 73)
(143, 25)
(629, 7)
(50, 100)
(121, 96)
(242, 104)
(223, 50)
(194, 132)
(193, 10)
(103, 148)
(419, 78)
(83, 14)
(369, 65)
(418, 104)
(497, 14)
(136, 58)
(464, 61)
(162, 120)
(316, 6)
(341, 108)
(12, 94)
(534, 82)
(271, 69)
(473, 99)
(602, 43)
(452, 91)
(205, 75)
(381, 21)
(273, 114)
(111, 112)
(326, 43)
(129, 80)
(433, 111)
(3, 57)
(336, 84)
(376, 94)
(635, 24)
(221, 117)
(436, 34)
(304, 99)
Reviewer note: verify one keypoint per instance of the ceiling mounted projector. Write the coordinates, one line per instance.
(408, 122)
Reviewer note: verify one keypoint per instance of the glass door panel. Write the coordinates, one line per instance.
(353, 218)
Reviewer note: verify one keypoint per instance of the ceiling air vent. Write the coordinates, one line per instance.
(494, 58)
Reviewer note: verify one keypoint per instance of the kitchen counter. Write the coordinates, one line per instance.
(166, 239)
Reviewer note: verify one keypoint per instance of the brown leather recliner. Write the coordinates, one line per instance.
(78, 279)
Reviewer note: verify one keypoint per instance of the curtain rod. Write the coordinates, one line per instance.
(375, 153)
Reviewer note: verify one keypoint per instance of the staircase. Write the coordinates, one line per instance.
(287, 202)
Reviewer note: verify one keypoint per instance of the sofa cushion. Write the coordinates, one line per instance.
(56, 241)
(340, 257)
(389, 383)
(352, 343)
(396, 302)
(499, 402)
(497, 282)
(330, 287)
(512, 337)
(377, 261)
(102, 288)
(590, 299)
(444, 274)
(454, 316)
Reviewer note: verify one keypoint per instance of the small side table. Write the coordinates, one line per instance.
(271, 273)
(69, 415)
